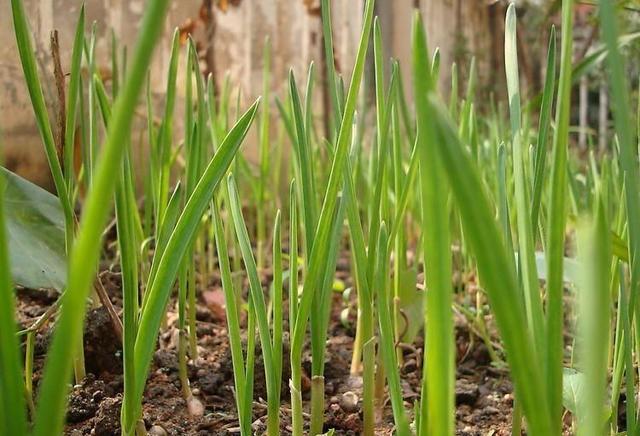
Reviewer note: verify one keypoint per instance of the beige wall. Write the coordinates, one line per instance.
(237, 49)
(460, 28)
(293, 27)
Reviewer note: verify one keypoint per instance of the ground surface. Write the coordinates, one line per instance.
(483, 392)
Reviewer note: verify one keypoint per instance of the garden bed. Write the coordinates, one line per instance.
(483, 392)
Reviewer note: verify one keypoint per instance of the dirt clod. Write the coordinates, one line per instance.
(107, 422)
(166, 360)
(466, 392)
(102, 347)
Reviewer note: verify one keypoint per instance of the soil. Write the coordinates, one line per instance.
(483, 392)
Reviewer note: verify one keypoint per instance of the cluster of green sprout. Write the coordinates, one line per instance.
(423, 179)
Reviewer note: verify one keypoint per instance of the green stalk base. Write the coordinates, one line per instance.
(317, 404)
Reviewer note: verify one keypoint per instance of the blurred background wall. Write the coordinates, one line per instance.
(231, 34)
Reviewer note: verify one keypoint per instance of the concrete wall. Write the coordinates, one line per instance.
(236, 48)
(234, 40)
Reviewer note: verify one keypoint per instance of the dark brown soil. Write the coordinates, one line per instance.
(483, 392)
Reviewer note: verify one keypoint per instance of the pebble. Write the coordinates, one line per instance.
(490, 410)
(195, 406)
(349, 402)
(157, 430)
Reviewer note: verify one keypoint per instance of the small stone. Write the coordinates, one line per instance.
(195, 406)
(349, 402)
(157, 430)
(490, 410)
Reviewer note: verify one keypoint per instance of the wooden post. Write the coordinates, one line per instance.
(603, 116)
(583, 112)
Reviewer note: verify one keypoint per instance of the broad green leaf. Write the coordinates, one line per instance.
(570, 270)
(573, 393)
(35, 228)
(572, 389)
(411, 303)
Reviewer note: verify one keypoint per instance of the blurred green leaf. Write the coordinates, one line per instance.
(573, 392)
(35, 226)
(598, 54)
(411, 303)
(572, 389)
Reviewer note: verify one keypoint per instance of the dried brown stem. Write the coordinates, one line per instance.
(111, 310)
(60, 87)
